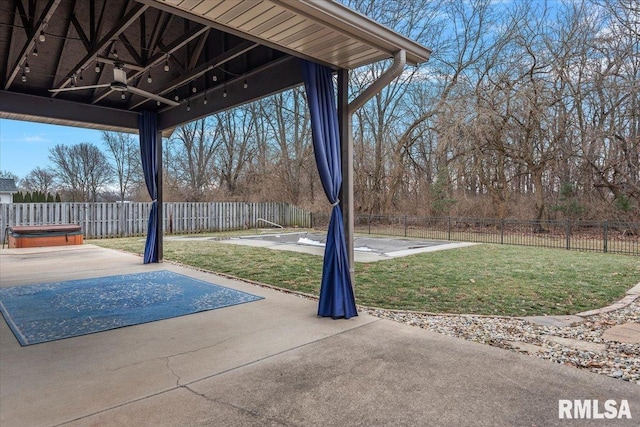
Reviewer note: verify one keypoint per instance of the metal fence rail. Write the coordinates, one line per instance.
(596, 236)
(104, 220)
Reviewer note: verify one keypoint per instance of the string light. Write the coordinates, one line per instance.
(175, 96)
(166, 64)
(245, 85)
(158, 103)
(123, 96)
(149, 79)
(205, 98)
(188, 105)
(26, 67)
(24, 77)
(193, 89)
(35, 51)
(215, 78)
(42, 37)
(97, 67)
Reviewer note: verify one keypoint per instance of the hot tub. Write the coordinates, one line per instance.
(34, 236)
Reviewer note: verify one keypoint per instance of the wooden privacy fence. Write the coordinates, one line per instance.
(114, 219)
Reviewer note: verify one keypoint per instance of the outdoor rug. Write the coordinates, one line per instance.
(53, 311)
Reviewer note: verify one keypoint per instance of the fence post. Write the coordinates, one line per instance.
(448, 228)
(405, 226)
(502, 231)
(605, 236)
(369, 222)
(568, 233)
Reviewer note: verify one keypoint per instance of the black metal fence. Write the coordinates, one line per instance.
(596, 236)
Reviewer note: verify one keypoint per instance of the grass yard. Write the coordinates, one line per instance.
(484, 279)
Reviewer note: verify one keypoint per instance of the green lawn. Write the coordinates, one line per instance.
(483, 279)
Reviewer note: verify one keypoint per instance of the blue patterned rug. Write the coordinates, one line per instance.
(53, 311)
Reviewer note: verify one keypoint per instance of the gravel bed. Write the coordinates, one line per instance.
(616, 360)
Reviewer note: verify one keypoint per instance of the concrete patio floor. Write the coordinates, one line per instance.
(271, 362)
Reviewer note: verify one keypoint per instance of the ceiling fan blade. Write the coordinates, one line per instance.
(152, 96)
(68, 89)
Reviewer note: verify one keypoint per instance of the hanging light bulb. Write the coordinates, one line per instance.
(24, 77)
(245, 85)
(115, 52)
(97, 67)
(35, 51)
(188, 106)
(158, 103)
(73, 80)
(166, 64)
(81, 79)
(205, 98)
(42, 37)
(123, 96)
(175, 96)
(149, 79)
(224, 94)
(26, 68)
(215, 78)
(193, 89)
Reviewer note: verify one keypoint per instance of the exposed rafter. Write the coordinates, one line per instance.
(124, 23)
(32, 35)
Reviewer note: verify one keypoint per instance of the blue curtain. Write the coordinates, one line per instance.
(148, 130)
(336, 291)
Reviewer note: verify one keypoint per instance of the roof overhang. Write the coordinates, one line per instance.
(320, 30)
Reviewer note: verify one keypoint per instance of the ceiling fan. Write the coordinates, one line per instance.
(119, 84)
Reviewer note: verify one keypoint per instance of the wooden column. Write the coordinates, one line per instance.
(346, 144)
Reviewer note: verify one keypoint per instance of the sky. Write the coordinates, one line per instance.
(25, 146)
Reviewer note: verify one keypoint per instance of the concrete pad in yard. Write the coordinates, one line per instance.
(626, 333)
(560, 321)
(577, 344)
(635, 290)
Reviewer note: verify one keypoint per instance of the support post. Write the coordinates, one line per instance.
(346, 145)
(160, 222)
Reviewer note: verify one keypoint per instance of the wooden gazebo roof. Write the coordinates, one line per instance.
(226, 52)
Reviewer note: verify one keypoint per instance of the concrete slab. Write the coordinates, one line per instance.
(560, 321)
(270, 362)
(635, 290)
(626, 333)
(578, 344)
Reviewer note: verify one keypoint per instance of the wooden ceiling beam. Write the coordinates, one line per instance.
(124, 23)
(32, 33)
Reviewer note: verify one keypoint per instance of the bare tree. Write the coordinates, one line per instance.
(124, 153)
(192, 161)
(236, 129)
(39, 179)
(82, 170)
